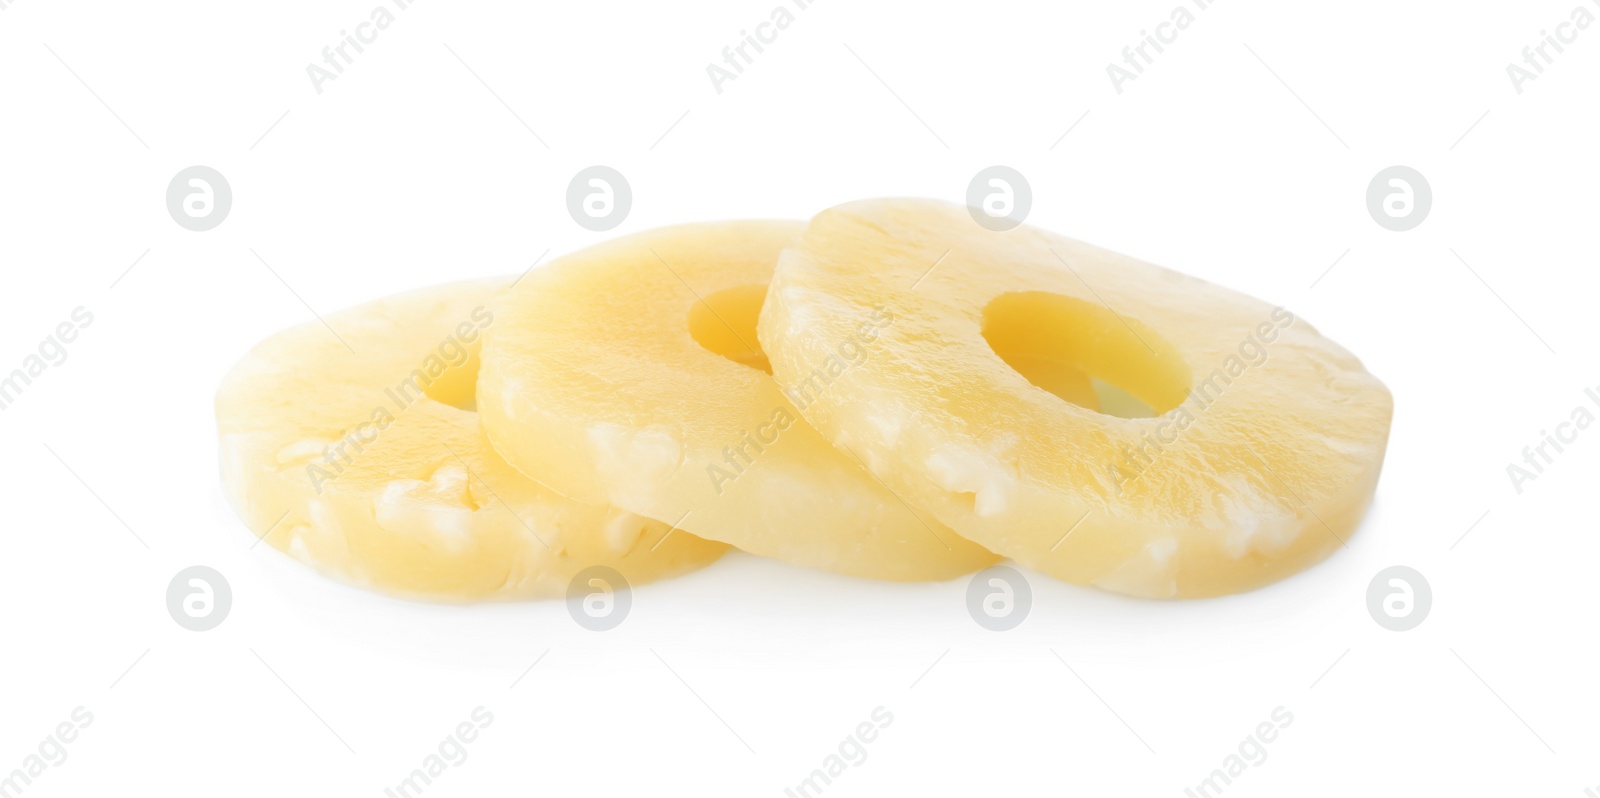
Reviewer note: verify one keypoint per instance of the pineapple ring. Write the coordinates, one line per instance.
(651, 394)
(372, 466)
(1262, 455)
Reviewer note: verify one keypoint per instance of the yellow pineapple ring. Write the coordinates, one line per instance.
(370, 464)
(629, 373)
(1261, 458)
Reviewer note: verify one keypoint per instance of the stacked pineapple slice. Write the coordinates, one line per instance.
(889, 392)
(355, 448)
(632, 375)
(1260, 454)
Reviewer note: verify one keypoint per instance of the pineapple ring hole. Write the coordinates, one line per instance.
(458, 385)
(1086, 354)
(724, 323)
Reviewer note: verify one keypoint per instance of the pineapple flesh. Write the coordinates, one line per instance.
(1243, 446)
(368, 463)
(630, 373)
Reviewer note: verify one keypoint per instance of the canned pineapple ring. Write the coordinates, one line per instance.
(1258, 455)
(630, 373)
(354, 447)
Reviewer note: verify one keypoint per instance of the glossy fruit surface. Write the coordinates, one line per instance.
(1259, 450)
(630, 373)
(355, 448)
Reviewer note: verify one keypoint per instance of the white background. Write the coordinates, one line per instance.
(740, 679)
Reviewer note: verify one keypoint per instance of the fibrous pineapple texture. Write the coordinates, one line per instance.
(1235, 445)
(359, 452)
(630, 373)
